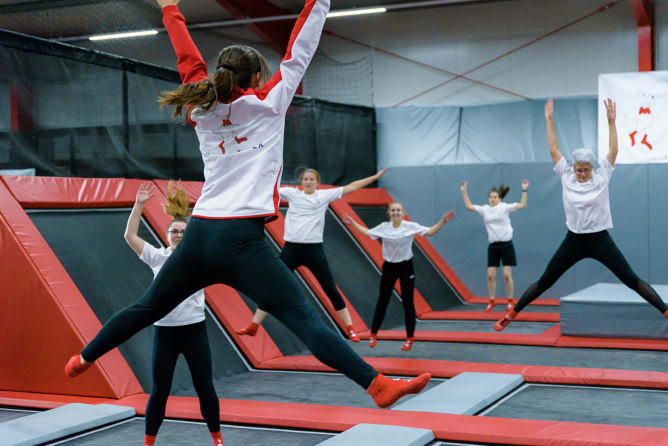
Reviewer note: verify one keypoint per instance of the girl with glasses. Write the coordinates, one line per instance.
(183, 330)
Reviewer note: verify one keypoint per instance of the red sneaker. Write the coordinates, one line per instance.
(509, 305)
(503, 323)
(490, 306)
(351, 334)
(251, 330)
(386, 391)
(665, 313)
(74, 367)
(149, 440)
(372, 341)
(408, 344)
(217, 438)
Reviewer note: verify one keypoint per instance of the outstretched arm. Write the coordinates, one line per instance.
(190, 64)
(437, 227)
(359, 184)
(611, 111)
(552, 142)
(145, 192)
(523, 202)
(303, 42)
(465, 196)
(347, 219)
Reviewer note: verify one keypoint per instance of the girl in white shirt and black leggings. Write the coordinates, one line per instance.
(397, 235)
(239, 117)
(304, 226)
(587, 206)
(496, 216)
(183, 330)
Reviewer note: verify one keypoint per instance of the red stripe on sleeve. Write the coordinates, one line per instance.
(190, 64)
(299, 24)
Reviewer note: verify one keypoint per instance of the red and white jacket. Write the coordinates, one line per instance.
(242, 142)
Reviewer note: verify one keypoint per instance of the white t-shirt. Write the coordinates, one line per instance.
(587, 205)
(191, 310)
(497, 220)
(305, 221)
(397, 242)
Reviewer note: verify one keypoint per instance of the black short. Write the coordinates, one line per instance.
(501, 251)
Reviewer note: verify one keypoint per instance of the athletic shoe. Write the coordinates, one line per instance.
(351, 334)
(74, 367)
(503, 323)
(665, 313)
(509, 305)
(372, 341)
(408, 344)
(217, 438)
(490, 306)
(386, 391)
(149, 440)
(251, 330)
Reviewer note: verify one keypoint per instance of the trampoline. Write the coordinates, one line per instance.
(110, 268)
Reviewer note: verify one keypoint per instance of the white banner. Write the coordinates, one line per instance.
(642, 116)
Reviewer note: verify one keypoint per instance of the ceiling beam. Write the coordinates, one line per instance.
(643, 10)
(45, 5)
(276, 33)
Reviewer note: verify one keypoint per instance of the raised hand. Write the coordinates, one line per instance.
(462, 186)
(380, 174)
(549, 109)
(145, 192)
(448, 215)
(525, 184)
(611, 110)
(164, 3)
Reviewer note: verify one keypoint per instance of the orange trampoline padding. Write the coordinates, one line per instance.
(491, 316)
(45, 400)
(547, 338)
(59, 192)
(463, 428)
(628, 344)
(448, 369)
(45, 319)
(503, 301)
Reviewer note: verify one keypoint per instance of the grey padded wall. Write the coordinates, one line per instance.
(500, 133)
(637, 199)
(658, 221)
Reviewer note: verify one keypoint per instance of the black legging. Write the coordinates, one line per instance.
(598, 246)
(233, 252)
(391, 272)
(312, 256)
(168, 343)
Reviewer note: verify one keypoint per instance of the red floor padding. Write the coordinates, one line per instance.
(464, 428)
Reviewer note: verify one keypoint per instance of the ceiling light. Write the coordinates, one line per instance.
(356, 12)
(150, 32)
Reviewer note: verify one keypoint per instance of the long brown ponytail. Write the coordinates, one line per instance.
(236, 66)
(502, 190)
(178, 203)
